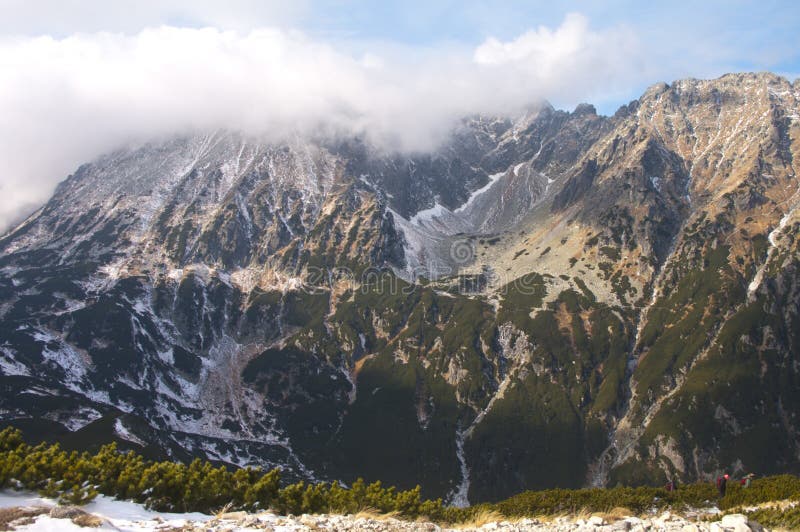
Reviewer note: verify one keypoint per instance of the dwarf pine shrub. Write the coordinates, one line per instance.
(76, 478)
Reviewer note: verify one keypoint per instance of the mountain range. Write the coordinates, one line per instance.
(557, 299)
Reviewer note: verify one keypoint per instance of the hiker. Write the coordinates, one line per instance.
(722, 485)
(670, 486)
(746, 480)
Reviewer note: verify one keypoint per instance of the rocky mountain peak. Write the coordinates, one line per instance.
(557, 285)
(584, 109)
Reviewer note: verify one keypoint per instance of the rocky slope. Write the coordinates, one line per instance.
(22, 511)
(558, 299)
(41, 520)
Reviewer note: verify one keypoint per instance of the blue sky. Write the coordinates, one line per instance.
(703, 38)
(738, 25)
(81, 77)
(733, 35)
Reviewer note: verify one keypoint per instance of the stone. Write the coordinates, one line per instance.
(735, 523)
(66, 512)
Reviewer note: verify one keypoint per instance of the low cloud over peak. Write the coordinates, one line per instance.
(66, 100)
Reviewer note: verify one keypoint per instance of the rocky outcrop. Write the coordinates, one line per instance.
(241, 521)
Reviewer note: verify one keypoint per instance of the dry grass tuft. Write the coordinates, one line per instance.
(616, 514)
(482, 517)
(583, 513)
(782, 505)
(19, 516)
(375, 515)
(87, 520)
(224, 510)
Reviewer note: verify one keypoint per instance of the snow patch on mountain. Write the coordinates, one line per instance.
(123, 432)
(494, 178)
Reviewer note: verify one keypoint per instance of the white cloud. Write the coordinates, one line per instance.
(65, 101)
(556, 61)
(65, 17)
(545, 47)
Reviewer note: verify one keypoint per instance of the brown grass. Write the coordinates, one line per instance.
(224, 510)
(482, 517)
(360, 364)
(616, 514)
(777, 505)
(87, 520)
(375, 515)
(583, 513)
(17, 515)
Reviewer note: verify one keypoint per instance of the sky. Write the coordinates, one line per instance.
(82, 77)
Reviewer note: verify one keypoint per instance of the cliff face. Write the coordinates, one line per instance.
(556, 300)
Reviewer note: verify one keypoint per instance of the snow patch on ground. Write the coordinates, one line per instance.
(773, 244)
(175, 274)
(656, 182)
(74, 420)
(119, 515)
(246, 279)
(62, 354)
(10, 366)
(122, 431)
(426, 215)
(459, 497)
